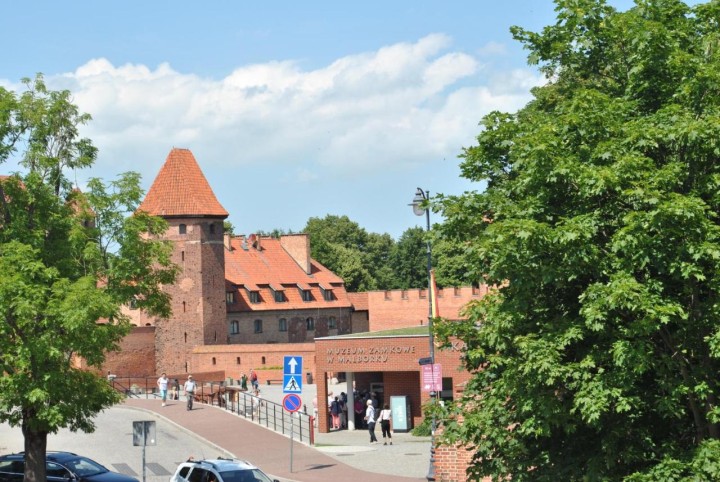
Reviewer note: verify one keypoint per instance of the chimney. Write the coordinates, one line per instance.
(257, 242)
(227, 241)
(298, 247)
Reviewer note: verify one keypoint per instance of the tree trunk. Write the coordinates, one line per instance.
(35, 447)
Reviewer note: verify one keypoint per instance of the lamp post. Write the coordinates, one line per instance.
(418, 208)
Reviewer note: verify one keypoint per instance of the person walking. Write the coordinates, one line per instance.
(370, 419)
(254, 380)
(257, 403)
(384, 417)
(189, 388)
(162, 384)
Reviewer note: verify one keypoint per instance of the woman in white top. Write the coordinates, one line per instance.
(385, 416)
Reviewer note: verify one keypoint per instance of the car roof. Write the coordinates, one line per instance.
(223, 465)
(51, 455)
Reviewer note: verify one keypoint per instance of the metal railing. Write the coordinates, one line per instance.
(240, 402)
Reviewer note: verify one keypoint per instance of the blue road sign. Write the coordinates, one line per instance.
(292, 402)
(292, 374)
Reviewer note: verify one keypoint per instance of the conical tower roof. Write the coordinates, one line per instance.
(180, 190)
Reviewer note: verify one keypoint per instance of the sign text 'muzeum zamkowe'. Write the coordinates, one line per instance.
(366, 355)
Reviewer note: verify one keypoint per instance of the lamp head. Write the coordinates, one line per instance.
(417, 202)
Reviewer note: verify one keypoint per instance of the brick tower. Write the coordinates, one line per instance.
(181, 195)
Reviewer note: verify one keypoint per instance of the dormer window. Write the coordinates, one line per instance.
(327, 293)
(278, 293)
(306, 295)
(254, 296)
(230, 297)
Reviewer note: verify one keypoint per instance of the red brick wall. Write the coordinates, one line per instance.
(136, 356)
(251, 357)
(404, 308)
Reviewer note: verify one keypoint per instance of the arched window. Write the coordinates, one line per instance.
(263, 360)
(282, 324)
(212, 228)
(214, 361)
(234, 327)
(310, 323)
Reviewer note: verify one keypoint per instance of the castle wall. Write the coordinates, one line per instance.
(394, 309)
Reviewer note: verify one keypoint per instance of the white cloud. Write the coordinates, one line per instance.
(403, 104)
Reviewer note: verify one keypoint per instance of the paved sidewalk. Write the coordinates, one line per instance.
(342, 455)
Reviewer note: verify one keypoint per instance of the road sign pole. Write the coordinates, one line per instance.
(291, 440)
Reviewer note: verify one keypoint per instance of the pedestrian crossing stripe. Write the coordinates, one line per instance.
(292, 385)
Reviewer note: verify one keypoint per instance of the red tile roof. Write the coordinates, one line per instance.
(272, 266)
(359, 301)
(180, 189)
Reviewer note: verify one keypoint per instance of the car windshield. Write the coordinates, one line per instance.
(83, 467)
(247, 475)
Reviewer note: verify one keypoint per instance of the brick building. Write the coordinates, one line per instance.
(247, 301)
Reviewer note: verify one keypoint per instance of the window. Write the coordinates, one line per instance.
(254, 296)
(327, 294)
(230, 297)
(214, 361)
(258, 326)
(182, 229)
(306, 295)
(332, 323)
(282, 324)
(237, 359)
(310, 323)
(279, 296)
(234, 327)
(212, 228)
(133, 304)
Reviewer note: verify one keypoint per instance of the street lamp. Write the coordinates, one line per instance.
(419, 209)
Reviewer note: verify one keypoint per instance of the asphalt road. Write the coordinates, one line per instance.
(112, 444)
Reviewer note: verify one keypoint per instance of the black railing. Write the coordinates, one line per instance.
(240, 402)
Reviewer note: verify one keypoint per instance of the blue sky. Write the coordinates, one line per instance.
(292, 109)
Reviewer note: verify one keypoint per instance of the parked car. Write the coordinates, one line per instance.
(219, 470)
(61, 467)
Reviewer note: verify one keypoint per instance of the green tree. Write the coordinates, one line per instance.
(408, 259)
(346, 249)
(68, 261)
(596, 358)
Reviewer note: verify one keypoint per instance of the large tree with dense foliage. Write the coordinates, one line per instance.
(596, 358)
(68, 261)
(346, 249)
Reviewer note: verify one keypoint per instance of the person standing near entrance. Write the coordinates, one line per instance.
(370, 419)
(189, 388)
(162, 384)
(384, 417)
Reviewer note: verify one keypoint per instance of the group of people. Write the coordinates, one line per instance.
(366, 410)
(384, 417)
(189, 388)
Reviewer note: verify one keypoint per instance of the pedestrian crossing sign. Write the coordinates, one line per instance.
(291, 384)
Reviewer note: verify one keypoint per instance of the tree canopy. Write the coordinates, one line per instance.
(68, 261)
(596, 357)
